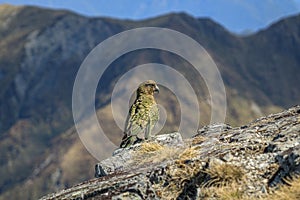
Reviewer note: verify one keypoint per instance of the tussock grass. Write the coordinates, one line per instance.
(198, 140)
(226, 182)
(232, 191)
(179, 173)
(154, 152)
(188, 154)
(236, 191)
(150, 147)
(224, 174)
(290, 191)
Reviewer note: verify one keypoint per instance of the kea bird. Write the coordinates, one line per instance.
(142, 116)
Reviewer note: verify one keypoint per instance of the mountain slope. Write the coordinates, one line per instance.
(41, 51)
(274, 73)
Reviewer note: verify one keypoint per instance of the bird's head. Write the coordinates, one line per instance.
(148, 88)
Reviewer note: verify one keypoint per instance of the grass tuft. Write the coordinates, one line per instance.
(224, 174)
(154, 152)
(182, 171)
(290, 191)
(198, 140)
(150, 147)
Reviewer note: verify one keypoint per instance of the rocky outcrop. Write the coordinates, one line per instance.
(251, 160)
(122, 158)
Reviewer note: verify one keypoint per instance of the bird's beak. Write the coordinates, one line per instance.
(156, 90)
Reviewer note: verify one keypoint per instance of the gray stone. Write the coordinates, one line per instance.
(121, 158)
(171, 139)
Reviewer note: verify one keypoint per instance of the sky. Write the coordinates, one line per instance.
(237, 16)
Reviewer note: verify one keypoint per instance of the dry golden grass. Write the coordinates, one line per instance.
(150, 147)
(154, 152)
(224, 174)
(236, 190)
(226, 182)
(291, 191)
(180, 172)
(198, 140)
(188, 154)
(232, 191)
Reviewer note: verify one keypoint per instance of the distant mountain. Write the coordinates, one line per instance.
(41, 51)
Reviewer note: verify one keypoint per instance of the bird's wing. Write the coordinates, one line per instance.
(136, 121)
(152, 120)
(154, 114)
(128, 137)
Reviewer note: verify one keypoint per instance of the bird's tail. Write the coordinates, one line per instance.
(127, 141)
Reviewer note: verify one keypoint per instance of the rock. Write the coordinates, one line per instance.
(171, 139)
(257, 157)
(213, 130)
(99, 172)
(122, 157)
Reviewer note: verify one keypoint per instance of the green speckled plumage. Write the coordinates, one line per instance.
(142, 116)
